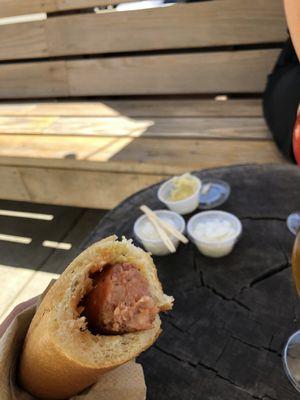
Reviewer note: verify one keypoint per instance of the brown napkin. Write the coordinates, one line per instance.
(124, 383)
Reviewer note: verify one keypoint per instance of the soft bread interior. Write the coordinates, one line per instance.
(59, 312)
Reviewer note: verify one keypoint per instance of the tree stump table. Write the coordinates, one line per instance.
(232, 315)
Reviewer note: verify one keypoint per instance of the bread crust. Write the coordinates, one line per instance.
(60, 356)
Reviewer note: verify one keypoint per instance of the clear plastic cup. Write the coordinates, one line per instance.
(216, 248)
(184, 206)
(155, 245)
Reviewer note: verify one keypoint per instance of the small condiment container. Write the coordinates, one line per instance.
(214, 232)
(146, 233)
(184, 206)
(214, 192)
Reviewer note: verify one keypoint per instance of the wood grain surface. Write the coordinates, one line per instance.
(219, 72)
(191, 73)
(174, 35)
(192, 154)
(172, 127)
(114, 148)
(11, 8)
(201, 25)
(132, 107)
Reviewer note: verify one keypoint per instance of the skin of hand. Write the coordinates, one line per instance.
(292, 11)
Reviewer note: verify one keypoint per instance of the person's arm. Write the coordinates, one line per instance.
(292, 11)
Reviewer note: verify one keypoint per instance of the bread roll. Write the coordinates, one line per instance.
(61, 357)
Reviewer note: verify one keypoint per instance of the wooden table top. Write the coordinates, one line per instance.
(232, 315)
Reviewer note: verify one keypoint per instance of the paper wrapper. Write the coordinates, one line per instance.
(123, 383)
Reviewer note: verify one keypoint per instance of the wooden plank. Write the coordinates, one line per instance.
(203, 128)
(56, 147)
(182, 107)
(193, 154)
(85, 126)
(185, 107)
(33, 79)
(82, 188)
(85, 165)
(242, 71)
(242, 128)
(12, 183)
(71, 108)
(16, 7)
(23, 40)
(201, 25)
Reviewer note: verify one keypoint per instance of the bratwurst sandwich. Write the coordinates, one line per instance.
(102, 312)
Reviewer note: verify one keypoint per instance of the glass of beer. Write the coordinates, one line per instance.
(291, 353)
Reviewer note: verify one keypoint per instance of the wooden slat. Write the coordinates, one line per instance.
(200, 128)
(19, 7)
(12, 183)
(185, 108)
(193, 154)
(33, 79)
(85, 126)
(59, 108)
(241, 71)
(182, 107)
(26, 40)
(56, 147)
(201, 25)
(84, 165)
(242, 128)
(81, 188)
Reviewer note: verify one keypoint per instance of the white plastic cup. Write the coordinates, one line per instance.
(218, 248)
(184, 206)
(156, 246)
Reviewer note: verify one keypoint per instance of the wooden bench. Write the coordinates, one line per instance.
(96, 105)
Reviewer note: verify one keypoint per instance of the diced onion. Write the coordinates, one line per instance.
(183, 186)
